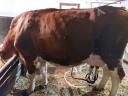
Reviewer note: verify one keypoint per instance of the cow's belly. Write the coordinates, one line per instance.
(66, 60)
(66, 55)
(93, 60)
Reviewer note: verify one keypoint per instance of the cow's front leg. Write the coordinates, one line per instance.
(31, 75)
(116, 76)
(32, 79)
(104, 79)
(44, 73)
(41, 65)
(31, 87)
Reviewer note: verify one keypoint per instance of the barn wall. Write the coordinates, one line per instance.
(4, 26)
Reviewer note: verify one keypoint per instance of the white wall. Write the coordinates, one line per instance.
(6, 7)
(24, 5)
(14, 7)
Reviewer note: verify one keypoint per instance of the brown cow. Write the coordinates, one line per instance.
(67, 37)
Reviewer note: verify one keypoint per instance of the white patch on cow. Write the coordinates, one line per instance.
(106, 75)
(45, 73)
(115, 82)
(37, 65)
(95, 60)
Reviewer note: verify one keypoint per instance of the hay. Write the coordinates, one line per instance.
(58, 87)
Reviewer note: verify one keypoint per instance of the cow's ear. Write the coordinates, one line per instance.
(87, 14)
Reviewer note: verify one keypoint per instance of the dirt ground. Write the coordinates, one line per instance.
(59, 87)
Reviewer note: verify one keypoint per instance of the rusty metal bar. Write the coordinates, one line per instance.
(70, 4)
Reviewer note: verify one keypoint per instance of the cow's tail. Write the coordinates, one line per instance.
(7, 48)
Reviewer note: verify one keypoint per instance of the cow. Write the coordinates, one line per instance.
(67, 37)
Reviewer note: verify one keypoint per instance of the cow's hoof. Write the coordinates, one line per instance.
(45, 86)
(24, 93)
(95, 88)
(42, 87)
